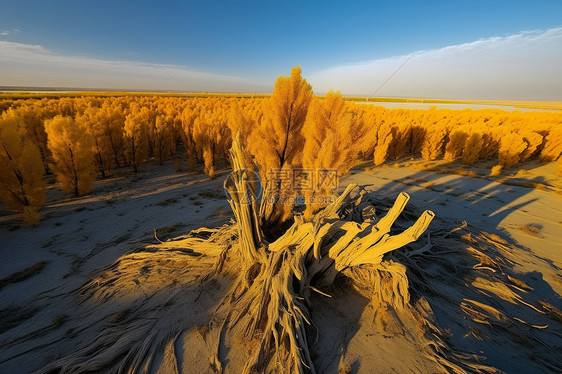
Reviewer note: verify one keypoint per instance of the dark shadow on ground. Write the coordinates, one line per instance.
(450, 276)
(338, 320)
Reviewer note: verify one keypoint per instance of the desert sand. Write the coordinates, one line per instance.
(494, 307)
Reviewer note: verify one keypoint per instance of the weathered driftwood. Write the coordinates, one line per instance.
(309, 255)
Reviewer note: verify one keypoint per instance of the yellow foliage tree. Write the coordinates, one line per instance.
(240, 122)
(210, 134)
(553, 144)
(434, 141)
(163, 138)
(276, 142)
(113, 121)
(93, 120)
(512, 147)
(384, 139)
(33, 118)
(187, 120)
(472, 148)
(135, 138)
(416, 140)
(401, 137)
(533, 140)
(455, 145)
(369, 118)
(21, 169)
(73, 160)
(490, 141)
(331, 132)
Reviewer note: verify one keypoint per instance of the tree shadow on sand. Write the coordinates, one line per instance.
(467, 275)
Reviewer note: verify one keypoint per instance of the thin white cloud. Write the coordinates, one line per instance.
(523, 66)
(9, 32)
(36, 66)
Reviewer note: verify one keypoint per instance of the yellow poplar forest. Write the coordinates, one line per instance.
(81, 138)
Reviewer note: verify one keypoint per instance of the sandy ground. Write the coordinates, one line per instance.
(78, 236)
(526, 216)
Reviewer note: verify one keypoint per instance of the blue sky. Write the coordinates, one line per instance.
(244, 46)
